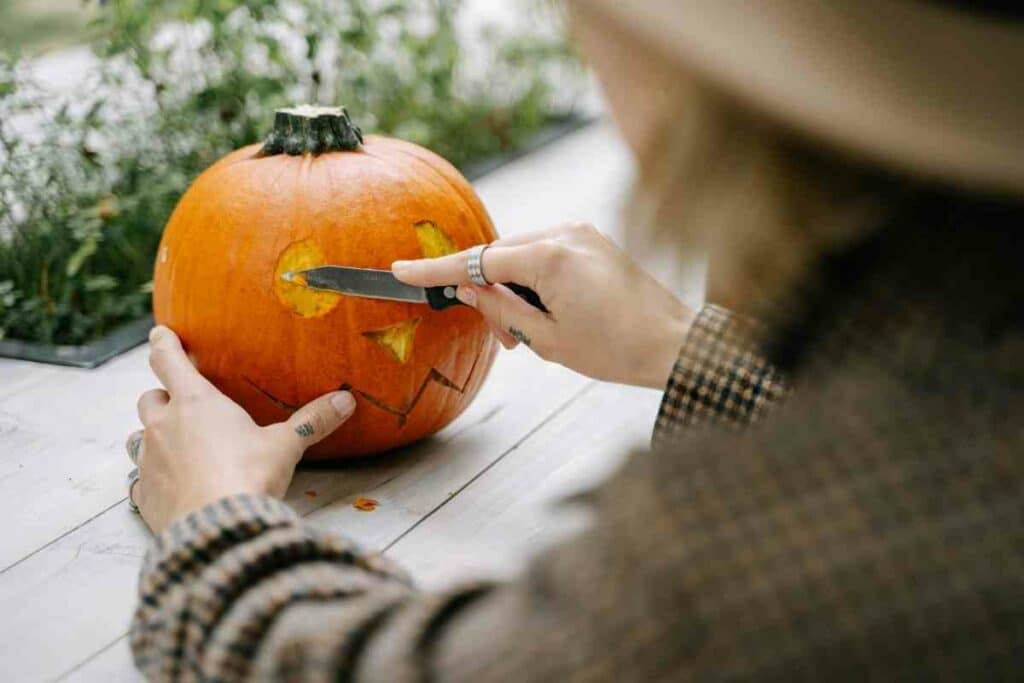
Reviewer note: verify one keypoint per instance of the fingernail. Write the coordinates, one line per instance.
(401, 267)
(156, 333)
(466, 295)
(343, 403)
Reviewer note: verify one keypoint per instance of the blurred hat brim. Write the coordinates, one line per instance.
(926, 89)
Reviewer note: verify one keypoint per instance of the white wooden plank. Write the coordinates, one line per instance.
(513, 510)
(63, 463)
(19, 375)
(112, 665)
(582, 177)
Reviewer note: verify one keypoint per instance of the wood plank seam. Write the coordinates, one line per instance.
(63, 535)
(85, 662)
(555, 413)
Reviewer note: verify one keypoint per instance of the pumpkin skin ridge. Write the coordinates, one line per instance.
(195, 229)
(427, 176)
(223, 246)
(472, 202)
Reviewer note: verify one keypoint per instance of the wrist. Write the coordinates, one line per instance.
(205, 496)
(666, 341)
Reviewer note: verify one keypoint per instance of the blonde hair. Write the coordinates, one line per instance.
(724, 180)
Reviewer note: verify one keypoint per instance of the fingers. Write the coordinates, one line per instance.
(518, 321)
(172, 367)
(151, 404)
(523, 264)
(451, 270)
(316, 420)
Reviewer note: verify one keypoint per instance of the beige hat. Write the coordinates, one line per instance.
(913, 84)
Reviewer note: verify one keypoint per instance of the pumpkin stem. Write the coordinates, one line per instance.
(308, 129)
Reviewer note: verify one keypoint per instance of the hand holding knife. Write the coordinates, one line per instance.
(382, 284)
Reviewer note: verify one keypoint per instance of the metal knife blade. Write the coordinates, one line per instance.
(381, 284)
(364, 282)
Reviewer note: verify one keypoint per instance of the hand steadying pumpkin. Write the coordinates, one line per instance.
(608, 318)
(198, 446)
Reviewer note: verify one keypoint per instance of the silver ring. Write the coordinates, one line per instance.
(133, 479)
(475, 265)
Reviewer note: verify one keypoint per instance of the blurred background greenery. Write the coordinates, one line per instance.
(90, 172)
(35, 25)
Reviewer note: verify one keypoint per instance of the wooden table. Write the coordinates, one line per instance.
(478, 498)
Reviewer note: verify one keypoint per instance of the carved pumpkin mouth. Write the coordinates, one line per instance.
(401, 412)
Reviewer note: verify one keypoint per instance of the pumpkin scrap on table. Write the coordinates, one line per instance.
(318, 192)
(365, 504)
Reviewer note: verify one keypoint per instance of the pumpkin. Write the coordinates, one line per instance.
(316, 192)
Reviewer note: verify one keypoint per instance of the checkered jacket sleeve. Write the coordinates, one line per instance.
(719, 377)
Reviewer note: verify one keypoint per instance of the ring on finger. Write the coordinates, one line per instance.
(133, 479)
(134, 446)
(475, 265)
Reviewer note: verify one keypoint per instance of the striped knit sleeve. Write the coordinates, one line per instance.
(719, 377)
(218, 580)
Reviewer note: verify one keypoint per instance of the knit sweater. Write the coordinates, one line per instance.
(870, 525)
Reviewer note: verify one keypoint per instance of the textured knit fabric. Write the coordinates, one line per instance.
(870, 527)
(720, 377)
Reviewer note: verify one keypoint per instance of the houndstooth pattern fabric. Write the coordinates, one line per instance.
(870, 528)
(719, 377)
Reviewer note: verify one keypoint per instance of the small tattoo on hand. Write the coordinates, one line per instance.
(304, 429)
(133, 447)
(519, 335)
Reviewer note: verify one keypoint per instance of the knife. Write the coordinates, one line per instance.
(382, 284)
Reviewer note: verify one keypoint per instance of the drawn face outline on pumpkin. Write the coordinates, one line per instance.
(396, 339)
(243, 196)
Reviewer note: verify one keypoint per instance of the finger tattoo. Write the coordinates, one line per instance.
(134, 444)
(519, 335)
(305, 429)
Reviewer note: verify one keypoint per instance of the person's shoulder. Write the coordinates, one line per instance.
(873, 522)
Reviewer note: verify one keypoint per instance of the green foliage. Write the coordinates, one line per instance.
(87, 183)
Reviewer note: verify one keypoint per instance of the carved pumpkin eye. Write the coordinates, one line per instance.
(434, 241)
(396, 339)
(309, 303)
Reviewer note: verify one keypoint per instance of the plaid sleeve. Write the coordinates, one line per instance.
(219, 580)
(719, 377)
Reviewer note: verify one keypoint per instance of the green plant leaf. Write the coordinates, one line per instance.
(86, 249)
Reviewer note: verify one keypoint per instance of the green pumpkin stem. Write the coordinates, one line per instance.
(312, 130)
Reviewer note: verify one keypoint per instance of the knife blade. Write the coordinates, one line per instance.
(382, 284)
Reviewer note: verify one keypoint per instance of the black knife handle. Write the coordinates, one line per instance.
(443, 297)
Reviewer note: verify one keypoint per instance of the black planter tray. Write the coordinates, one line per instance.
(132, 334)
(90, 355)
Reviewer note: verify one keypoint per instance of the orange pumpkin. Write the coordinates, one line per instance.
(317, 193)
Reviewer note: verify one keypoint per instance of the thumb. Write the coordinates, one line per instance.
(318, 419)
